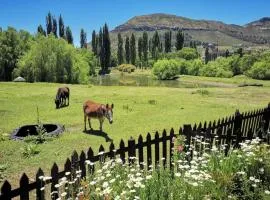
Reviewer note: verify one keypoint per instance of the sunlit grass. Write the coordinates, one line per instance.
(173, 107)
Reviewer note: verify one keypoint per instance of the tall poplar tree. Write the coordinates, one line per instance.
(133, 49)
(69, 36)
(120, 50)
(140, 48)
(168, 41)
(41, 30)
(83, 40)
(179, 40)
(145, 46)
(127, 50)
(54, 27)
(155, 45)
(107, 49)
(61, 27)
(93, 42)
(49, 23)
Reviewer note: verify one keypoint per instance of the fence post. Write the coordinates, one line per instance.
(148, 151)
(157, 150)
(122, 151)
(54, 175)
(187, 131)
(140, 152)
(266, 118)
(5, 191)
(164, 147)
(82, 164)
(40, 184)
(131, 150)
(237, 127)
(24, 187)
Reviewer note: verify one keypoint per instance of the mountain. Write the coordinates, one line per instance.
(254, 33)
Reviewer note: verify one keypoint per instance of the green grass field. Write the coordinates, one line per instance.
(134, 114)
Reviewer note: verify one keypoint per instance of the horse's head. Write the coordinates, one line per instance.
(109, 113)
(57, 103)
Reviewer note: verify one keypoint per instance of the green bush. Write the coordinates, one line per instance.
(126, 68)
(52, 59)
(221, 67)
(188, 53)
(260, 70)
(166, 69)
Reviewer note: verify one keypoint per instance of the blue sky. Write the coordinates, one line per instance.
(91, 14)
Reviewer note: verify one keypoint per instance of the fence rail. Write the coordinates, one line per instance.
(230, 130)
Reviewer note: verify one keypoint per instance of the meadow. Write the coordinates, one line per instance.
(137, 110)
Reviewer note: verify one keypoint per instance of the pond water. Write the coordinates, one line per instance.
(123, 79)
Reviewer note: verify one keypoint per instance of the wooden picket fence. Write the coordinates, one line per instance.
(230, 130)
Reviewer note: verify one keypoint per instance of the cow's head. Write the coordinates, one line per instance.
(109, 113)
(57, 103)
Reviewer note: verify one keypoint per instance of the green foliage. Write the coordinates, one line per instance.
(30, 150)
(13, 45)
(221, 67)
(166, 69)
(53, 60)
(187, 53)
(260, 70)
(126, 68)
(195, 66)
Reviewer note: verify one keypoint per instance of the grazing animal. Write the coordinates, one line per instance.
(97, 110)
(61, 96)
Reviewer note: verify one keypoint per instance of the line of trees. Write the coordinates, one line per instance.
(51, 27)
(137, 53)
(101, 47)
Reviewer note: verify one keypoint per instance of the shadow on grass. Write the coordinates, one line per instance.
(98, 133)
(62, 106)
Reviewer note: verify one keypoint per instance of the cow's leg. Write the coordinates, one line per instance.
(101, 120)
(68, 100)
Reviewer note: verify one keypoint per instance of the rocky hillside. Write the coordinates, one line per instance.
(254, 33)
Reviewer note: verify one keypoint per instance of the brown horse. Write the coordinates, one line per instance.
(99, 111)
(61, 96)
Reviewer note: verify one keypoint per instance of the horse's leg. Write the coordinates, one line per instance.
(84, 122)
(89, 123)
(101, 120)
(68, 99)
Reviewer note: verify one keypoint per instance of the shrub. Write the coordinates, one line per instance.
(166, 69)
(30, 150)
(221, 67)
(126, 68)
(188, 53)
(260, 70)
